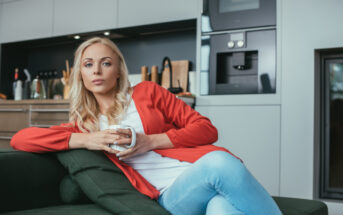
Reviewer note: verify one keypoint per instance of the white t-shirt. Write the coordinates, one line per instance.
(160, 171)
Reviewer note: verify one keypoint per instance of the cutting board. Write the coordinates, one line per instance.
(180, 74)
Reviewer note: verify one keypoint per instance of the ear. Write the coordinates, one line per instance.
(118, 74)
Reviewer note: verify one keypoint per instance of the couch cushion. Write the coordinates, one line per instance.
(63, 209)
(295, 206)
(71, 192)
(105, 184)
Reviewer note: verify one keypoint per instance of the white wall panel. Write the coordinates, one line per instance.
(253, 134)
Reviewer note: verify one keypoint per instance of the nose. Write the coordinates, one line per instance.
(97, 69)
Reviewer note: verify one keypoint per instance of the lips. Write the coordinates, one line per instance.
(98, 81)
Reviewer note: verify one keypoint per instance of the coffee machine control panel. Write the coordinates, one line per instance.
(238, 47)
(236, 40)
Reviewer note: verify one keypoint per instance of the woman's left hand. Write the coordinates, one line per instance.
(144, 143)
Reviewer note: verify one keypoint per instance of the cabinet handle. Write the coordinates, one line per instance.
(5, 138)
(49, 110)
(40, 125)
(13, 110)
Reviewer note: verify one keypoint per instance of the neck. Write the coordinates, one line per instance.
(104, 102)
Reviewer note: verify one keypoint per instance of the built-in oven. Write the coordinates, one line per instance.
(238, 47)
(238, 14)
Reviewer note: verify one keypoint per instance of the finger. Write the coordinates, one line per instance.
(125, 154)
(112, 138)
(114, 149)
(129, 155)
(123, 141)
(124, 131)
(118, 133)
(111, 131)
(109, 149)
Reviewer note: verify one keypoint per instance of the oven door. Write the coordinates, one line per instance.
(239, 14)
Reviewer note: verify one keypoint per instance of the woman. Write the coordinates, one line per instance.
(172, 160)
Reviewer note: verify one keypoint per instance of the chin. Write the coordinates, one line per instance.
(101, 91)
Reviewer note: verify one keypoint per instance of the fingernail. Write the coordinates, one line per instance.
(115, 143)
(120, 159)
(117, 154)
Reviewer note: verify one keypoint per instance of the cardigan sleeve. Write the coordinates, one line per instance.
(40, 140)
(190, 128)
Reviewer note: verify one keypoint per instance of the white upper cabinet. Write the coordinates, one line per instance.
(25, 19)
(35, 19)
(0, 23)
(78, 16)
(142, 12)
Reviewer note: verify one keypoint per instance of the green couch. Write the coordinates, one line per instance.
(34, 184)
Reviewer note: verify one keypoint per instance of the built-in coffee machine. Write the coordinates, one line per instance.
(238, 47)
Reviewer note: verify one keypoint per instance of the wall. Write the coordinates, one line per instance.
(305, 26)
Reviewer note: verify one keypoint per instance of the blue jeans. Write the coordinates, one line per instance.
(219, 184)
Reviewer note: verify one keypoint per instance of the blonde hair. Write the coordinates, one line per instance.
(84, 109)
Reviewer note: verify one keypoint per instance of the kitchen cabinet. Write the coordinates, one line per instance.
(25, 20)
(13, 118)
(253, 134)
(143, 12)
(78, 16)
(16, 115)
(45, 115)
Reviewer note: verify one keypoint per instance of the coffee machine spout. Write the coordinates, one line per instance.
(238, 61)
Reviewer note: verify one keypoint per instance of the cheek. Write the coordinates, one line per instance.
(113, 73)
(85, 79)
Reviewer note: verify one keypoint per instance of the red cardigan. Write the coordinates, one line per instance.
(161, 112)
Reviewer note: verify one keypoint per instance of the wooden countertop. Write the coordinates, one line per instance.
(33, 101)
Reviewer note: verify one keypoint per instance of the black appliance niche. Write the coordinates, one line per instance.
(233, 14)
(247, 70)
(329, 121)
(238, 47)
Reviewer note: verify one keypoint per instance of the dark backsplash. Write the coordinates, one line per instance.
(142, 45)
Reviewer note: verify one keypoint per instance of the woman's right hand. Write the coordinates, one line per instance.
(99, 140)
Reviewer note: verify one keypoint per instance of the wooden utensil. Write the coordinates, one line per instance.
(144, 73)
(65, 80)
(67, 67)
(154, 74)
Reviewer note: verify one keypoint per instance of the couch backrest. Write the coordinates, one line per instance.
(29, 180)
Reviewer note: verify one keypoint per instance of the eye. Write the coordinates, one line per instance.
(106, 64)
(88, 65)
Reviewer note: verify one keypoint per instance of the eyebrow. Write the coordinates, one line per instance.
(103, 58)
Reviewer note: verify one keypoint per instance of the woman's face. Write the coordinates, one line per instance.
(100, 69)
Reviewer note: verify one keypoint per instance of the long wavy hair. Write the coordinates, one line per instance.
(84, 109)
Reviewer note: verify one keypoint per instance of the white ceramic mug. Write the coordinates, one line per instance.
(133, 138)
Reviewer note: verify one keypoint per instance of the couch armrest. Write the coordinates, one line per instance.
(295, 206)
(29, 180)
